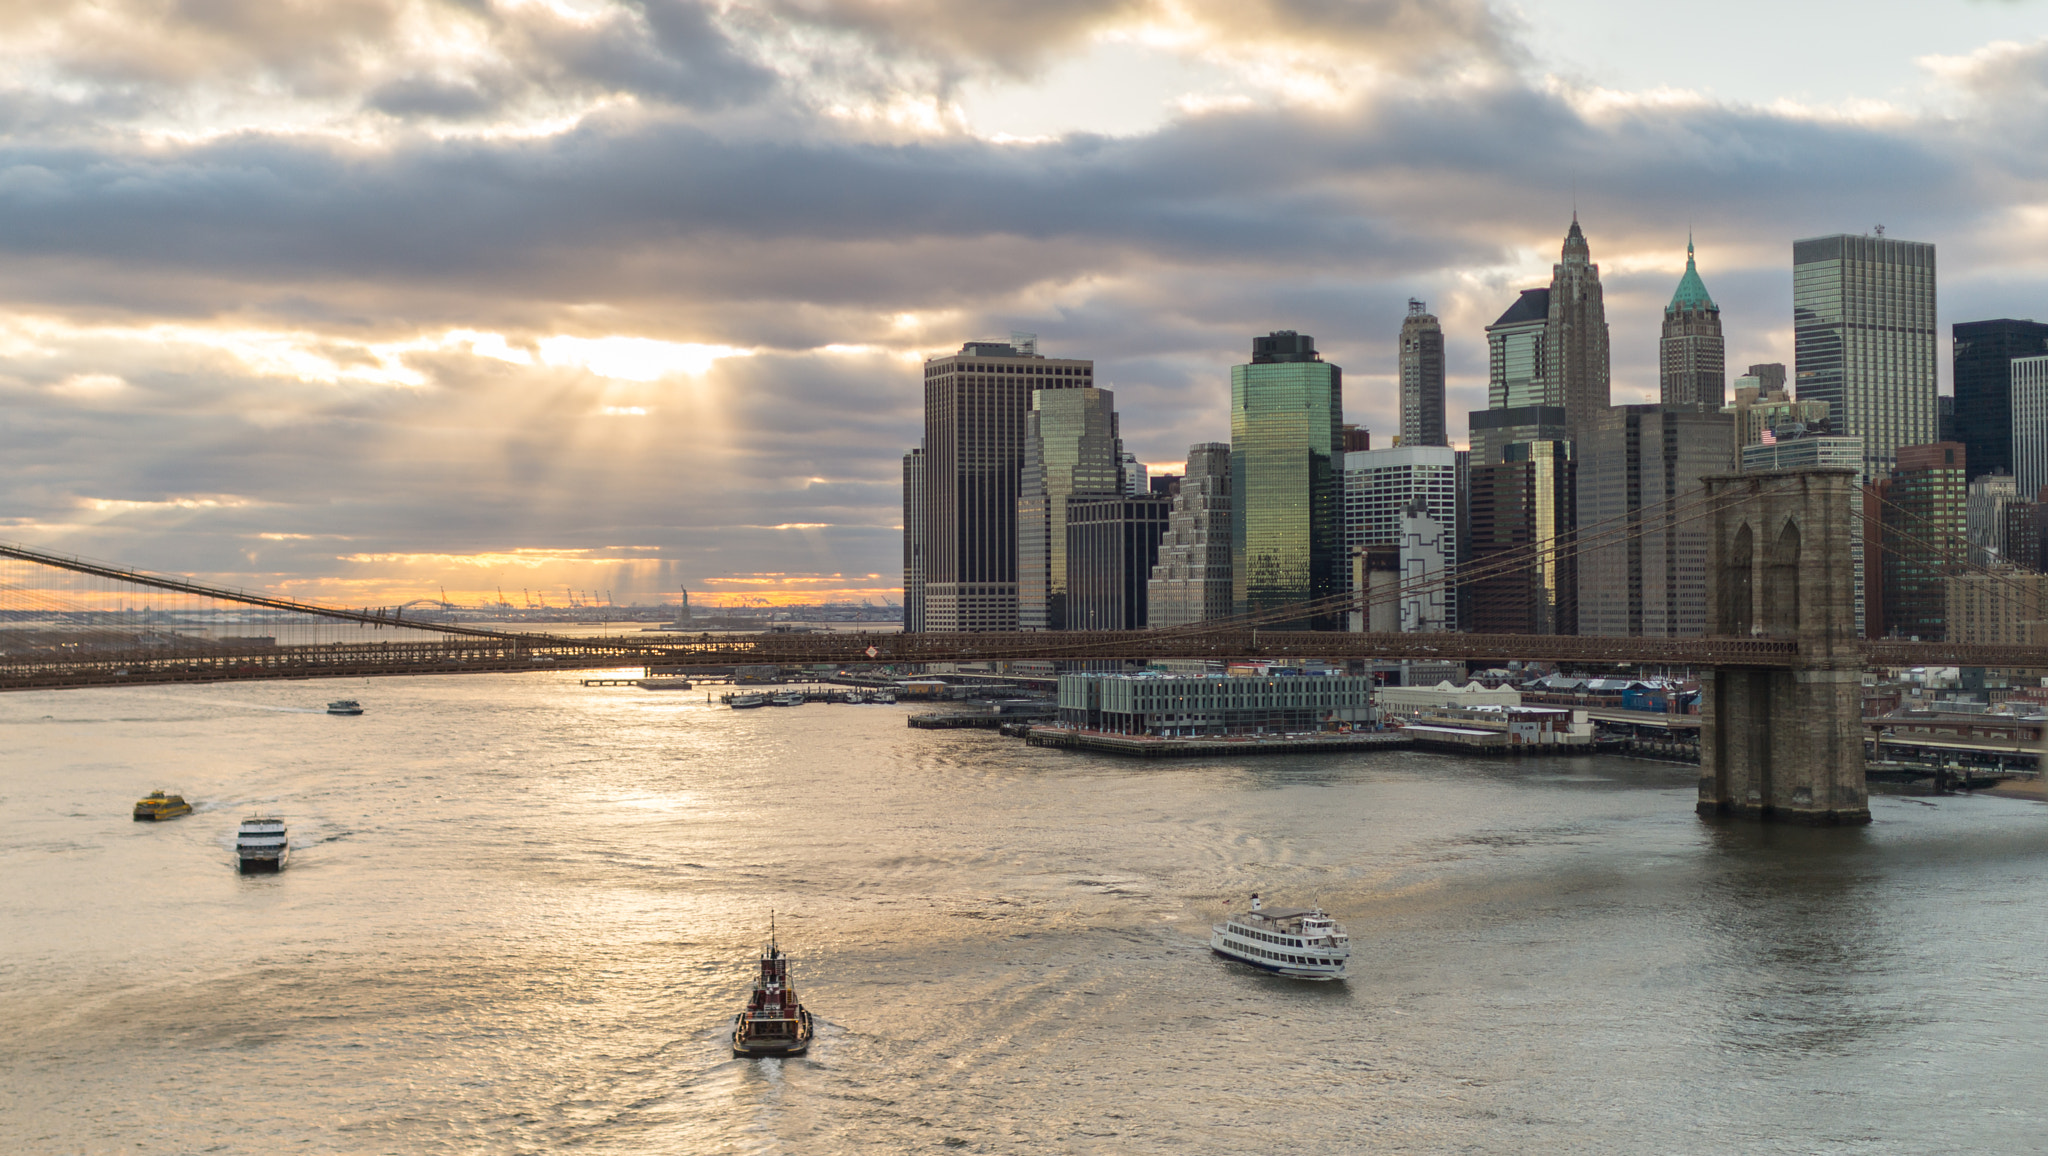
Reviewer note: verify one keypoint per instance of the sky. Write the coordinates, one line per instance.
(360, 300)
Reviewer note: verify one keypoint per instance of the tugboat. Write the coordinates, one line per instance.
(344, 706)
(1298, 944)
(156, 806)
(774, 1024)
(263, 845)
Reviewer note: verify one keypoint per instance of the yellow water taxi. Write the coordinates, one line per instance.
(157, 805)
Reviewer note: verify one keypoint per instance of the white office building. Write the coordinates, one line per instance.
(2030, 424)
(1391, 494)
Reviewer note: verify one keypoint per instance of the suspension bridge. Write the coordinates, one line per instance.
(1781, 662)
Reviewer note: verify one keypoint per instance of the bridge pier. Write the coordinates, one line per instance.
(1783, 744)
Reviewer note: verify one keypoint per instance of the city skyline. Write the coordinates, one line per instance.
(618, 307)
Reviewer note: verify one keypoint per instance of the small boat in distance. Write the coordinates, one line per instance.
(747, 701)
(774, 1023)
(664, 683)
(344, 706)
(156, 806)
(1299, 944)
(787, 698)
(262, 845)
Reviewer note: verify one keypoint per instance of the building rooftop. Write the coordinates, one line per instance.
(1532, 305)
(1692, 292)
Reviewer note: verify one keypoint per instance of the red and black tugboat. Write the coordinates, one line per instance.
(774, 1024)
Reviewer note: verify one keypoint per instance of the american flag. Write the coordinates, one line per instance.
(1770, 437)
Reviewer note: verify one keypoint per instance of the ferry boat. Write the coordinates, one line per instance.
(787, 698)
(747, 701)
(344, 706)
(664, 683)
(156, 805)
(262, 845)
(774, 1023)
(1299, 944)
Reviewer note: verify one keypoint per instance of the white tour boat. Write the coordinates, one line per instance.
(344, 706)
(262, 844)
(1299, 944)
(746, 701)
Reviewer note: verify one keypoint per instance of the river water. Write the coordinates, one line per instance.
(521, 911)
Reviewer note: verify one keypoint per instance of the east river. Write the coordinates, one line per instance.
(521, 913)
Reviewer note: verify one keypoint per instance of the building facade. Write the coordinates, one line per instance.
(1984, 514)
(975, 407)
(1514, 354)
(1921, 509)
(1112, 545)
(1168, 705)
(1422, 378)
(1996, 608)
(1286, 517)
(1519, 572)
(1756, 410)
(1191, 582)
(1864, 340)
(1575, 360)
(1071, 448)
(1379, 488)
(913, 541)
(2029, 447)
(1642, 550)
(1493, 430)
(1692, 356)
(1983, 355)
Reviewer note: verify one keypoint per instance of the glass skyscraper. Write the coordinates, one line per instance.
(1286, 518)
(1071, 449)
(1863, 328)
(1984, 353)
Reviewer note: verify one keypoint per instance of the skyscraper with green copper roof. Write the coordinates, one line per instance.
(1286, 438)
(1693, 357)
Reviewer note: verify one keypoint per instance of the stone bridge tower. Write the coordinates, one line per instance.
(1784, 744)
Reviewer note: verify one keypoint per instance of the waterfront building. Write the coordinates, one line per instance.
(1692, 356)
(1422, 379)
(1921, 512)
(1514, 354)
(1493, 430)
(1170, 705)
(1983, 355)
(1379, 488)
(1996, 608)
(1984, 514)
(1191, 582)
(1863, 329)
(1286, 531)
(1642, 556)
(976, 405)
(913, 541)
(1112, 545)
(1071, 448)
(2029, 445)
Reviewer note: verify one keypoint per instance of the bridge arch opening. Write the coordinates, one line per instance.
(1781, 582)
(1737, 612)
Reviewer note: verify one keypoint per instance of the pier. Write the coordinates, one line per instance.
(1143, 747)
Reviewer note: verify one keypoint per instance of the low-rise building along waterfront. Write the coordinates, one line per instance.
(1186, 706)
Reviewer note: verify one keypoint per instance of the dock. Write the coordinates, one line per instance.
(1147, 747)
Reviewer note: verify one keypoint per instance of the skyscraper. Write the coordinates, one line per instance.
(1642, 559)
(913, 541)
(1514, 354)
(1286, 533)
(975, 404)
(1070, 448)
(1984, 353)
(1923, 512)
(1191, 581)
(1863, 332)
(1112, 545)
(2029, 448)
(1422, 378)
(1379, 488)
(1575, 363)
(1693, 357)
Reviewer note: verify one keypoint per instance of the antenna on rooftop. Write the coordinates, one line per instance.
(1878, 229)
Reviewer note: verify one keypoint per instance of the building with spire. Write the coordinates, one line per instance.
(1693, 356)
(1575, 364)
(1422, 378)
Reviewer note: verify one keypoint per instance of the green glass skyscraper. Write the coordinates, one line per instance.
(1286, 513)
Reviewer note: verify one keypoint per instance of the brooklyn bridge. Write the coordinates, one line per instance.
(1781, 665)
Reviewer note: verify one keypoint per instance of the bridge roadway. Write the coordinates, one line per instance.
(479, 651)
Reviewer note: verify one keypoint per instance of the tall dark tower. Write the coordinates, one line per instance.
(1422, 378)
(1693, 357)
(1575, 339)
(1984, 353)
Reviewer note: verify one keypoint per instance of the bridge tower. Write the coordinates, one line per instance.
(1784, 744)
